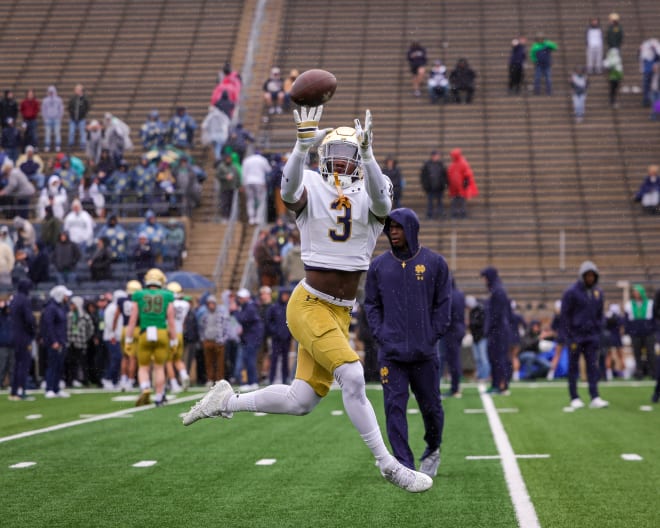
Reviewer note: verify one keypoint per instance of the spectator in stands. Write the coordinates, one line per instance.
(30, 111)
(154, 230)
(153, 131)
(32, 166)
(7, 258)
(649, 191)
(116, 137)
(8, 108)
(267, 257)
(120, 183)
(276, 207)
(393, 172)
(11, 139)
(225, 105)
(461, 79)
(143, 178)
(579, 83)
(497, 331)
(640, 326)
(594, 40)
(434, 182)
(166, 182)
(462, 186)
(70, 178)
(94, 141)
(55, 196)
(278, 331)
(215, 130)
(288, 84)
(273, 89)
(100, 263)
(66, 255)
(79, 224)
(649, 55)
(614, 31)
(476, 319)
(39, 263)
(188, 187)
(105, 167)
(655, 92)
(238, 140)
(144, 257)
(438, 84)
(52, 111)
(230, 82)
(91, 197)
(78, 109)
(417, 60)
(581, 324)
(51, 226)
(116, 236)
(25, 235)
(614, 66)
(541, 55)
(181, 129)
(246, 312)
(21, 269)
(255, 170)
(18, 189)
(517, 60)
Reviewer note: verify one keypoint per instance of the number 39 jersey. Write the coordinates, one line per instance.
(152, 306)
(333, 234)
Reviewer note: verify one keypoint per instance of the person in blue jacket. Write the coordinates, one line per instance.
(53, 326)
(246, 312)
(280, 335)
(408, 306)
(497, 329)
(450, 344)
(24, 330)
(581, 324)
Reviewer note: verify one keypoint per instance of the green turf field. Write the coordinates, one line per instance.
(314, 471)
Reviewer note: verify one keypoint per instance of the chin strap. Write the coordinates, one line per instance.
(343, 200)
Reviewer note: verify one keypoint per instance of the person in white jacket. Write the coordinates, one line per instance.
(80, 226)
(215, 130)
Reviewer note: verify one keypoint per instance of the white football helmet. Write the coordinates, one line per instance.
(339, 154)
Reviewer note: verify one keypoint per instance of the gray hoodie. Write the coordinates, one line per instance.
(52, 106)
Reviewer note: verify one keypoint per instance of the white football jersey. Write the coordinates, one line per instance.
(181, 309)
(335, 236)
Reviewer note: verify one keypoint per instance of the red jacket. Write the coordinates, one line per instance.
(29, 108)
(460, 177)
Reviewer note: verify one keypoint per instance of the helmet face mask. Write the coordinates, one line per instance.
(339, 154)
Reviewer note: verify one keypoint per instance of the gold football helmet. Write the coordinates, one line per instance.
(175, 287)
(155, 277)
(132, 286)
(339, 154)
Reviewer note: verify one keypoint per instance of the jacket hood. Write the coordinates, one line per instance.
(586, 266)
(642, 292)
(456, 154)
(283, 291)
(491, 274)
(410, 223)
(52, 90)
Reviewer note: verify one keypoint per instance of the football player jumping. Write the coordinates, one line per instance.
(340, 214)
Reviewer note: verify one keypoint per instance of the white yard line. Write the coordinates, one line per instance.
(522, 503)
(97, 418)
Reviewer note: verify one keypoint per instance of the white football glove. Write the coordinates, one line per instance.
(365, 136)
(307, 123)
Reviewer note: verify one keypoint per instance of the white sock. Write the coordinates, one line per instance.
(296, 399)
(184, 374)
(350, 377)
(145, 385)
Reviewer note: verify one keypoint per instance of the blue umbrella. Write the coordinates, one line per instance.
(190, 280)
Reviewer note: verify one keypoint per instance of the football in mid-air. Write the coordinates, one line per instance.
(313, 88)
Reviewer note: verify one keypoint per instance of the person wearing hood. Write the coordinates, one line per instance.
(393, 172)
(112, 334)
(215, 130)
(79, 329)
(408, 298)
(39, 263)
(153, 131)
(26, 236)
(100, 263)
(52, 111)
(53, 332)
(497, 330)
(24, 330)
(51, 227)
(581, 325)
(280, 337)
(462, 186)
(17, 190)
(32, 166)
(66, 255)
(640, 326)
(80, 225)
(55, 195)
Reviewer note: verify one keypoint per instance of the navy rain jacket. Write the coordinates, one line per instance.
(581, 318)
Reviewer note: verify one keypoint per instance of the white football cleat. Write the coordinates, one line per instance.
(598, 403)
(577, 403)
(405, 478)
(429, 464)
(212, 405)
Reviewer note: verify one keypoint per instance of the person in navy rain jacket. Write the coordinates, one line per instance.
(497, 329)
(450, 344)
(53, 326)
(246, 312)
(408, 305)
(581, 324)
(280, 336)
(24, 329)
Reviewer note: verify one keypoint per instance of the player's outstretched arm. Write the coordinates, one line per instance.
(379, 186)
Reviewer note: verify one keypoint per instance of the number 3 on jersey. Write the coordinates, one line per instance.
(343, 233)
